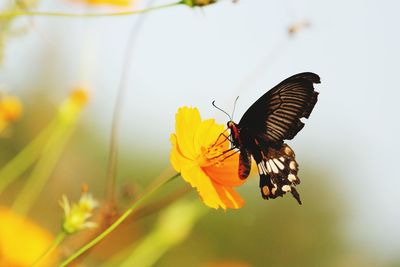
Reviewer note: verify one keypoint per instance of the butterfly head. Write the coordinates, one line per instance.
(231, 125)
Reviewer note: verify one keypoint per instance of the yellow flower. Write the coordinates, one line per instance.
(10, 110)
(122, 3)
(22, 241)
(200, 161)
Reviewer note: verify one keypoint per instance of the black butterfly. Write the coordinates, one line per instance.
(275, 117)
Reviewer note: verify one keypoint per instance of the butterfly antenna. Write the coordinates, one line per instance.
(234, 106)
(213, 103)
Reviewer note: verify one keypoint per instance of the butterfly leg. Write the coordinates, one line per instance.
(219, 136)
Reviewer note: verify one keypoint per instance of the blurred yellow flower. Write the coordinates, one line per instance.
(107, 2)
(10, 110)
(201, 162)
(72, 107)
(79, 96)
(22, 241)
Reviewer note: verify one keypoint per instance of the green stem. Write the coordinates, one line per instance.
(57, 241)
(173, 226)
(62, 14)
(43, 169)
(121, 219)
(118, 107)
(24, 159)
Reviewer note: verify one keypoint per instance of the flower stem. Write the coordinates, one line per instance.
(50, 151)
(121, 219)
(72, 15)
(24, 159)
(118, 106)
(174, 225)
(43, 169)
(57, 241)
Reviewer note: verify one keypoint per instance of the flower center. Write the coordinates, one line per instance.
(212, 155)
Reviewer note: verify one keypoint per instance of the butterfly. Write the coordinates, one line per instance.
(261, 132)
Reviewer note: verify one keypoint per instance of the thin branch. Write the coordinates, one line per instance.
(118, 107)
(6, 15)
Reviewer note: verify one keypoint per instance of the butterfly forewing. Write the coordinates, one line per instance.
(277, 113)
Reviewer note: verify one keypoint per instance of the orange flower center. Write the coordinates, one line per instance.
(211, 156)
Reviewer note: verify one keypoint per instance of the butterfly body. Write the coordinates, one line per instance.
(261, 132)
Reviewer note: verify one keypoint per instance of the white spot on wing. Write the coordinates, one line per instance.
(288, 151)
(292, 165)
(286, 188)
(291, 177)
(268, 166)
(273, 166)
(260, 170)
(279, 164)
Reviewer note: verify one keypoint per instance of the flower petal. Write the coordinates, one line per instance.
(187, 122)
(202, 135)
(227, 173)
(175, 154)
(229, 196)
(208, 133)
(205, 187)
(22, 241)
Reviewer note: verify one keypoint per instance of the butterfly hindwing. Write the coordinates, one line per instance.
(278, 173)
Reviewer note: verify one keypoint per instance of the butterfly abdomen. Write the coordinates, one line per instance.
(244, 164)
(244, 157)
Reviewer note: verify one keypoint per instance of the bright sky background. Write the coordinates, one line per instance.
(191, 57)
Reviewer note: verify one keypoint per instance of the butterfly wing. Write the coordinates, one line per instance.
(278, 172)
(276, 115)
